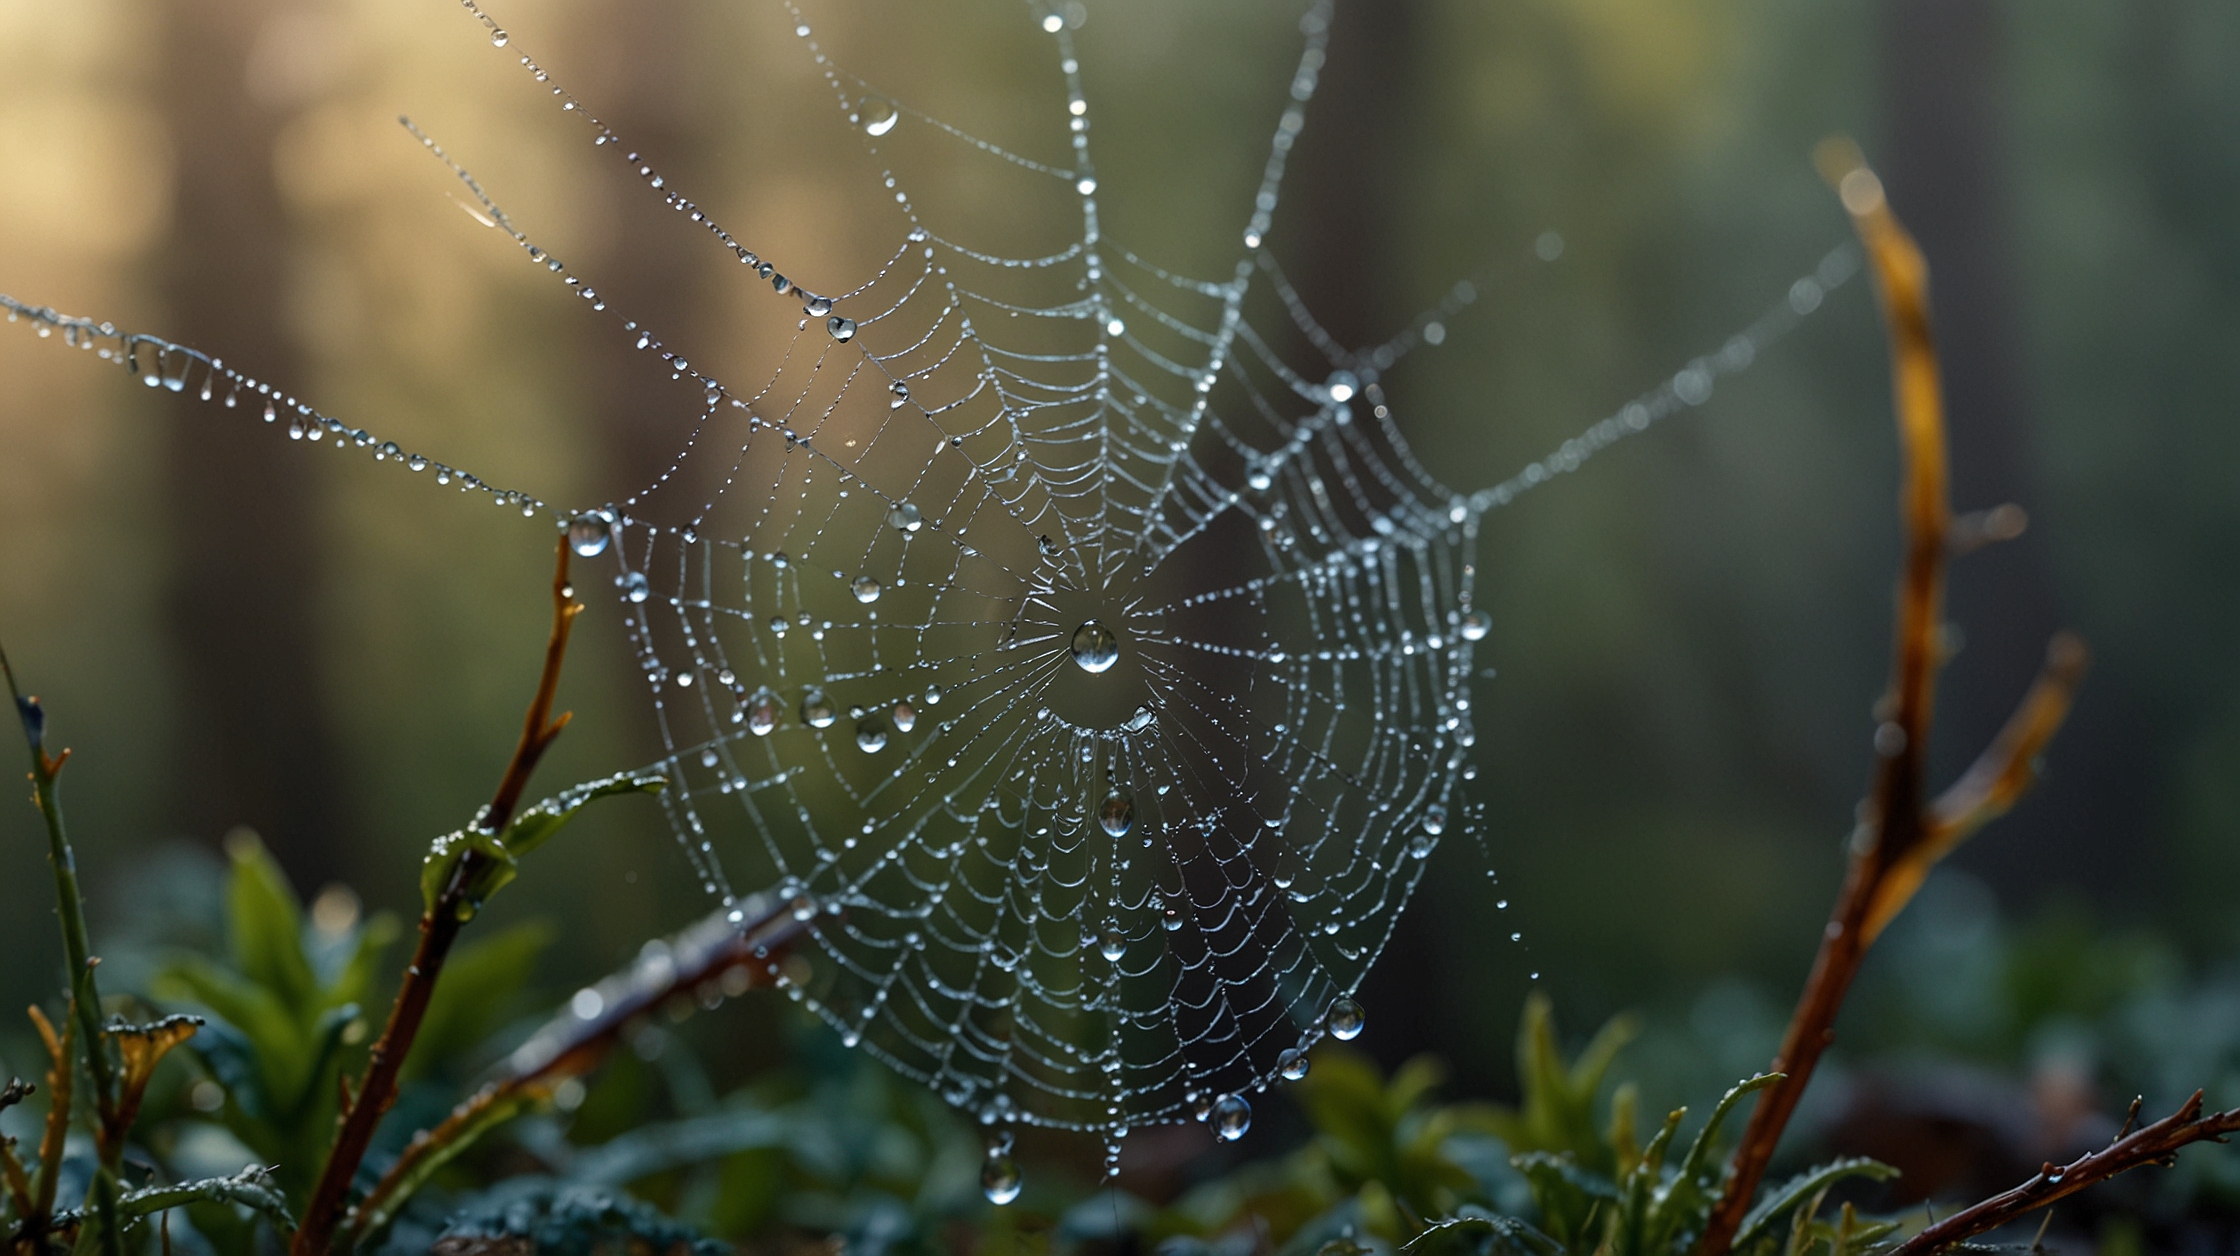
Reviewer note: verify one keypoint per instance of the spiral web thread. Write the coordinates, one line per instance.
(1093, 680)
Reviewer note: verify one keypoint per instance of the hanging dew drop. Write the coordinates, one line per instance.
(906, 517)
(1140, 720)
(1118, 813)
(1095, 648)
(866, 589)
(588, 534)
(871, 737)
(1345, 1019)
(1292, 1064)
(634, 586)
(1342, 385)
(880, 119)
(842, 329)
(1435, 819)
(905, 717)
(762, 714)
(999, 1179)
(1231, 1117)
(1474, 626)
(816, 709)
(1112, 944)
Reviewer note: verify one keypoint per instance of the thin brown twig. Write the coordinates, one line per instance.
(439, 928)
(2153, 1144)
(572, 1046)
(1900, 835)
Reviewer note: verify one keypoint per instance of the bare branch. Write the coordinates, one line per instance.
(2156, 1144)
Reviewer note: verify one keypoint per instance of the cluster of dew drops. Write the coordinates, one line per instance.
(1229, 1116)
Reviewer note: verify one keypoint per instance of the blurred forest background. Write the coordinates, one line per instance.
(233, 629)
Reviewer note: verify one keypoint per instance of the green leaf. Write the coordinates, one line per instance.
(449, 851)
(355, 983)
(530, 829)
(266, 923)
(1566, 1194)
(1477, 1233)
(1802, 1187)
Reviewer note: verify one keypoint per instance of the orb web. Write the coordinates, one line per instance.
(1089, 668)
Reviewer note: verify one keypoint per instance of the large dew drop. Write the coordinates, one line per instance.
(1345, 1019)
(842, 329)
(1117, 814)
(871, 736)
(634, 586)
(816, 709)
(588, 534)
(762, 714)
(1095, 648)
(1232, 1116)
(999, 1179)
(1474, 626)
(866, 589)
(1292, 1064)
(906, 517)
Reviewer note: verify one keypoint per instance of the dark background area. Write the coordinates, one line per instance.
(234, 629)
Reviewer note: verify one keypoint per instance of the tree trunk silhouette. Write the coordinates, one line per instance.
(254, 743)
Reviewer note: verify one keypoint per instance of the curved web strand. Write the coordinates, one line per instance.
(1089, 673)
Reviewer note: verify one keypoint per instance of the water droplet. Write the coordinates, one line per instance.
(1342, 385)
(816, 709)
(901, 393)
(1292, 1064)
(498, 37)
(880, 125)
(1345, 1019)
(1118, 814)
(1140, 720)
(906, 516)
(1172, 920)
(1435, 819)
(933, 695)
(1053, 23)
(905, 717)
(866, 589)
(999, 1180)
(589, 533)
(871, 736)
(842, 329)
(1474, 626)
(708, 757)
(1232, 1116)
(1420, 845)
(1094, 647)
(762, 713)
(818, 307)
(1258, 477)
(634, 586)
(1112, 944)
(1085, 186)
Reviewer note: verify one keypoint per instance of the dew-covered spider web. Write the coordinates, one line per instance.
(1087, 669)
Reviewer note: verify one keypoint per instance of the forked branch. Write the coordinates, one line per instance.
(1901, 834)
(439, 928)
(2155, 1144)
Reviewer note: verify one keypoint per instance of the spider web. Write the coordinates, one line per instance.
(1092, 677)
